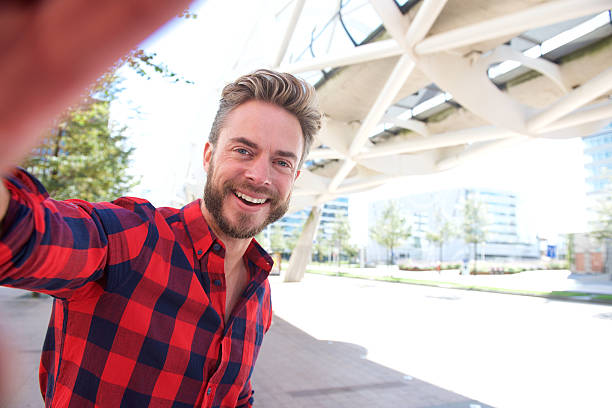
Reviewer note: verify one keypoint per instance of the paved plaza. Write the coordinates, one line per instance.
(339, 342)
(297, 370)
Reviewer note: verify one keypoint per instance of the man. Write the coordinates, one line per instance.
(159, 306)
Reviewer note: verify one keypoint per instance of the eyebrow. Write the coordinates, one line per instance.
(245, 141)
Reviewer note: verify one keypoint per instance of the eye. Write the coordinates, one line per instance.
(242, 151)
(285, 164)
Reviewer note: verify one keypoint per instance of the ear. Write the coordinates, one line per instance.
(208, 149)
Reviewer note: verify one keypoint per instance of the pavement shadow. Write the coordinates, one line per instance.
(296, 370)
(23, 325)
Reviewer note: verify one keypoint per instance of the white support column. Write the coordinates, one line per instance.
(295, 16)
(580, 96)
(537, 16)
(300, 257)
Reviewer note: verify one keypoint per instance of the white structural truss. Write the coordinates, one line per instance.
(456, 48)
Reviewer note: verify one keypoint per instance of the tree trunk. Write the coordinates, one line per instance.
(338, 251)
(608, 261)
(475, 256)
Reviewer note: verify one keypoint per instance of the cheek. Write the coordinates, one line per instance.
(285, 186)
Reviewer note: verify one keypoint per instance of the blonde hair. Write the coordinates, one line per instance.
(295, 95)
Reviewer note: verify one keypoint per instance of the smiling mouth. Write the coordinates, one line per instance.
(249, 200)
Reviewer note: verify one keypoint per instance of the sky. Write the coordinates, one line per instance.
(168, 124)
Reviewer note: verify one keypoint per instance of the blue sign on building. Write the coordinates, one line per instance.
(551, 251)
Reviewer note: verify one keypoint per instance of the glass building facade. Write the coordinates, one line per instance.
(503, 237)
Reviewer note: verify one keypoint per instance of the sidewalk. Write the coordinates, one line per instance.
(558, 284)
(296, 370)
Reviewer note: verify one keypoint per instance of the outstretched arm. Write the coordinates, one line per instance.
(51, 51)
(4, 202)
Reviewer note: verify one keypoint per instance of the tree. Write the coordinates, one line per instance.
(85, 156)
(390, 229)
(474, 224)
(277, 241)
(322, 248)
(292, 239)
(441, 232)
(602, 226)
(341, 234)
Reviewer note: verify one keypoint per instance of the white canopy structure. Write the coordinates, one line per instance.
(442, 81)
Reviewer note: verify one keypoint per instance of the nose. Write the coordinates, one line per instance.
(258, 171)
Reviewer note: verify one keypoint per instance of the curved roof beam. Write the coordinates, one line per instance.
(580, 96)
(421, 24)
(511, 24)
(291, 24)
(363, 53)
(394, 21)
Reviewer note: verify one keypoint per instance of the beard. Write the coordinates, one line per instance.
(215, 195)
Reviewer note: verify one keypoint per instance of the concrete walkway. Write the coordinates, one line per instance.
(296, 370)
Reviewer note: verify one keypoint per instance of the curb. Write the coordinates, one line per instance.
(580, 297)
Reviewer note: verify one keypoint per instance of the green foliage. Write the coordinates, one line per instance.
(474, 224)
(341, 234)
(442, 231)
(84, 156)
(321, 249)
(292, 240)
(144, 64)
(602, 226)
(277, 241)
(390, 229)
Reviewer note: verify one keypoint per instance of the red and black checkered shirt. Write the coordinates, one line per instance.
(138, 316)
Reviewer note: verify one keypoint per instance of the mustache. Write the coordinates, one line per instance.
(229, 186)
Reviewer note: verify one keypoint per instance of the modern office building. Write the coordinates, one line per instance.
(591, 254)
(598, 161)
(504, 240)
(331, 211)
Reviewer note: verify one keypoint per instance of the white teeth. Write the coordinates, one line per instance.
(250, 199)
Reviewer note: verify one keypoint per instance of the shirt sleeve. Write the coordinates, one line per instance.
(245, 399)
(49, 246)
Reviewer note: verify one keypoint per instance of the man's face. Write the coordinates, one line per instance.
(252, 169)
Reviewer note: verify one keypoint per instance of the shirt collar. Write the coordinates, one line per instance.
(203, 237)
(197, 228)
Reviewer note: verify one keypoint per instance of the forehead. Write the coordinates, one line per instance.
(266, 124)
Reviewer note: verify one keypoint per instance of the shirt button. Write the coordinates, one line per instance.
(216, 247)
(217, 282)
(199, 252)
(208, 391)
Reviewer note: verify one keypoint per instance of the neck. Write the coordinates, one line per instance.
(234, 247)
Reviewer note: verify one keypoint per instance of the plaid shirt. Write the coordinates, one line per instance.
(138, 315)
